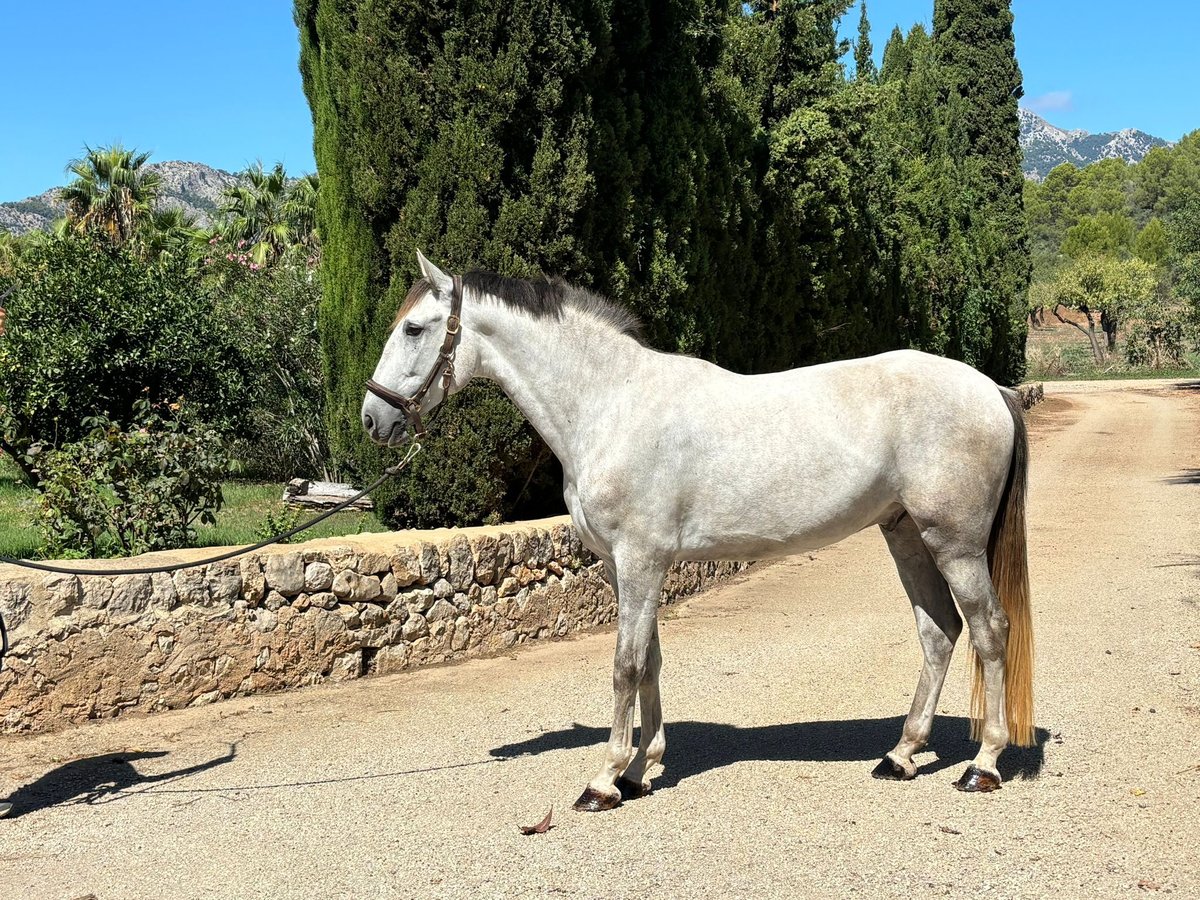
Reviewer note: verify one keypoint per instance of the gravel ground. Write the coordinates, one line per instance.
(781, 691)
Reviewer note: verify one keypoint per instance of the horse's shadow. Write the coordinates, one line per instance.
(99, 779)
(696, 747)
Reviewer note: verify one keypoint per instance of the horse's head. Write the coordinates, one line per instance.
(416, 370)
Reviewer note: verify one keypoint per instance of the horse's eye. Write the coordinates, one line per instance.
(412, 330)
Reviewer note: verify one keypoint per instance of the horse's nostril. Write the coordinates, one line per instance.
(368, 422)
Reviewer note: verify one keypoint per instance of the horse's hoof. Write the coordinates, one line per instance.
(977, 781)
(591, 800)
(890, 770)
(5, 809)
(632, 790)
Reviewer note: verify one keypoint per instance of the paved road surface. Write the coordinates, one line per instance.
(780, 691)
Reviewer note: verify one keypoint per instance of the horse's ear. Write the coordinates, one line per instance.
(440, 281)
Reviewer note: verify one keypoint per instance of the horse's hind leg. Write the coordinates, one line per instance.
(639, 583)
(969, 578)
(938, 626)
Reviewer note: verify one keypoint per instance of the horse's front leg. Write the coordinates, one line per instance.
(638, 588)
(653, 744)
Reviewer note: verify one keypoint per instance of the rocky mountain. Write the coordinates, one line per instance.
(1045, 146)
(194, 186)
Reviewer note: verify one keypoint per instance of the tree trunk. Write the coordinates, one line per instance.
(1109, 324)
(1090, 331)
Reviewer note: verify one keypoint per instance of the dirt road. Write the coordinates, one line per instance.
(781, 691)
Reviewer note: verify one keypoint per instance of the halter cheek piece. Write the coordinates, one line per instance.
(444, 367)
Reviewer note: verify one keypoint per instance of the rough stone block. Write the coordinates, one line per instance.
(191, 586)
(285, 573)
(373, 564)
(318, 576)
(131, 593)
(406, 566)
(356, 588)
(254, 583)
(61, 593)
(430, 562)
(485, 559)
(461, 563)
(415, 627)
(440, 610)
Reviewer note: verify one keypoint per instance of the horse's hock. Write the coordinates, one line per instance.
(329, 610)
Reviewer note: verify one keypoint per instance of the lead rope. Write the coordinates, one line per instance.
(389, 472)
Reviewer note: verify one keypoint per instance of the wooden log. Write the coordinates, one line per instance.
(304, 494)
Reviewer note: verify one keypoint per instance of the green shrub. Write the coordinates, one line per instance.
(271, 314)
(93, 329)
(127, 490)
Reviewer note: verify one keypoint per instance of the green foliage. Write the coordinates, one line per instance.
(864, 65)
(279, 521)
(1104, 233)
(93, 329)
(1184, 239)
(124, 490)
(1152, 244)
(271, 314)
(266, 215)
(979, 83)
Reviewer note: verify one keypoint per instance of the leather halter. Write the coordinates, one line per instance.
(444, 367)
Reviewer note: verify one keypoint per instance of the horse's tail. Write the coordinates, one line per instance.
(1009, 564)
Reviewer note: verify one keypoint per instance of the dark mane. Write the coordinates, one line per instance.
(543, 298)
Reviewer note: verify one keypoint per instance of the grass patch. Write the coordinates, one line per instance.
(253, 510)
(19, 534)
(1062, 354)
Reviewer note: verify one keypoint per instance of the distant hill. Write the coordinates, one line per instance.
(1045, 146)
(193, 186)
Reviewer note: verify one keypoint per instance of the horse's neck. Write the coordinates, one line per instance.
(560, 373)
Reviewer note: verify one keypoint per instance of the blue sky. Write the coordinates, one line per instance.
(1099, 65)
(216, 82)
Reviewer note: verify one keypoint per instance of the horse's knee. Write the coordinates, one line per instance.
(628, 674)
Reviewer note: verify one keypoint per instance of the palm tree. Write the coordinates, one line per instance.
(10, 249)
(253, 210)
(170, 231)
(112, 192)
(300, 210)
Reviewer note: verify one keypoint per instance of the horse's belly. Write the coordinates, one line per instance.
(750, 531)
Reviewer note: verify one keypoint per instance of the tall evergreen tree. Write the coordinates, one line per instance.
(896, 60)
(864, 65)
(980, 84)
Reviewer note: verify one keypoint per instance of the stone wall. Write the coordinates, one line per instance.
(1032, 393)
(330, 610)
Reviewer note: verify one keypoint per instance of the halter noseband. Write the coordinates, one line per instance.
(444, 367)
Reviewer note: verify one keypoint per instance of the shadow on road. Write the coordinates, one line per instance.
(99, 779)
(1187, 476)
(696, 747)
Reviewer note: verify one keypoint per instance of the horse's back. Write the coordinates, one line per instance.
(773, 464)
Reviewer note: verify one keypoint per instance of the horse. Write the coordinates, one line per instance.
(668, 457)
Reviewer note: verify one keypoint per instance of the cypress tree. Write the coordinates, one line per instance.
(822, 257)
(980, 84)
(462, 130)
(896, 60)
(864, 65)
